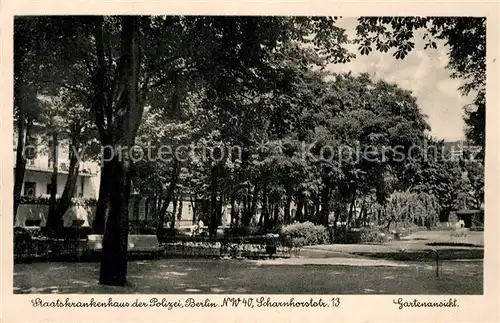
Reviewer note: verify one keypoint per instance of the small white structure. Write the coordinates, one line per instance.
(460, 224)
(78, 215)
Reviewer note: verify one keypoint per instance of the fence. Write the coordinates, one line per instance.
(43, 249)
(29, 248)
(216, 249)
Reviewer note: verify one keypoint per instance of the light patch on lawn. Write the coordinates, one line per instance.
(175, 273)
(331, 262)
(216, 290)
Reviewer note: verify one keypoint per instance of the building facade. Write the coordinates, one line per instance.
(39, 168)
(37, 182)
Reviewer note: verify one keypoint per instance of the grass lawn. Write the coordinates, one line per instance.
(179, 276)
(413, 247)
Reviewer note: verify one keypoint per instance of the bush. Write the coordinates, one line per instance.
(166, 234)
(72, 233)
(241, 231)
(34, 232)
(21, 234)
(251, 230)
(304, 234)
(361, 235)
(368, 235)
(133, 229)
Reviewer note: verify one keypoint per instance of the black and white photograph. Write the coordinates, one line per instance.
(245, 154)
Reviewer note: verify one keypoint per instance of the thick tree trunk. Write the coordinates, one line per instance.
(212, 223)
(351, 207)
(174, 213)
(23, 134)
(265, 208)
(129, 110)
(161, 214)
(388, 225)
(363, 213)
(246, 207)
(337, 217)
(300, 207)
(104, 202)
(23, 123)
(287, 211)
(220, 206)
(179, 210)
(325, 203)
(233, 209)
(252, 207)
(276, 213)
(69, 188)
(193, 207)
(444, 214)
(103, 119)
(237, 214)
(306, 210)
(169, 195)
(115, 243)
(52, 221)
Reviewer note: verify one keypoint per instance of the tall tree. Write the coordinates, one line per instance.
(121, 59)
(127, 117)
(465, 37)
(26, 105)
(66, 126)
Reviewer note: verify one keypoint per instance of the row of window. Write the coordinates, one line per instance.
(31, 162)
(31, 155)
(30, 189)
(37, 223)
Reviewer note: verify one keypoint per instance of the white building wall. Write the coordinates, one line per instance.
(40, 212)
(39, 171)
(43, 178)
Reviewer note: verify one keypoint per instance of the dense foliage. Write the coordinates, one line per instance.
(304, 234)
(465, 38)
(250, 117)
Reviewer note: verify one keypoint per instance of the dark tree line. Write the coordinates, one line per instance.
(220, 82)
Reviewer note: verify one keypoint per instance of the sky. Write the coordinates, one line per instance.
(423, 72)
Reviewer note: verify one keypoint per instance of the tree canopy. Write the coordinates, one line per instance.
(465, 38)
(261, 125)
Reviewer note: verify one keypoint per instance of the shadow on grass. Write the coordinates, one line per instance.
(184, 276)
(421, 255)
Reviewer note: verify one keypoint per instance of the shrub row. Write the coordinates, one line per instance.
(251, 230)
(222, 239)
(45, 200)
(361, 235)
(66, 233)
(477, 228)
(304, 234)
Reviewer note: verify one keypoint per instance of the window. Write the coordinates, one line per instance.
(32, 223)
(77, 223)
(30, 151)
(48, 188)
(30, 189)
(82, 185)
(63, 167)
(51, 157)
